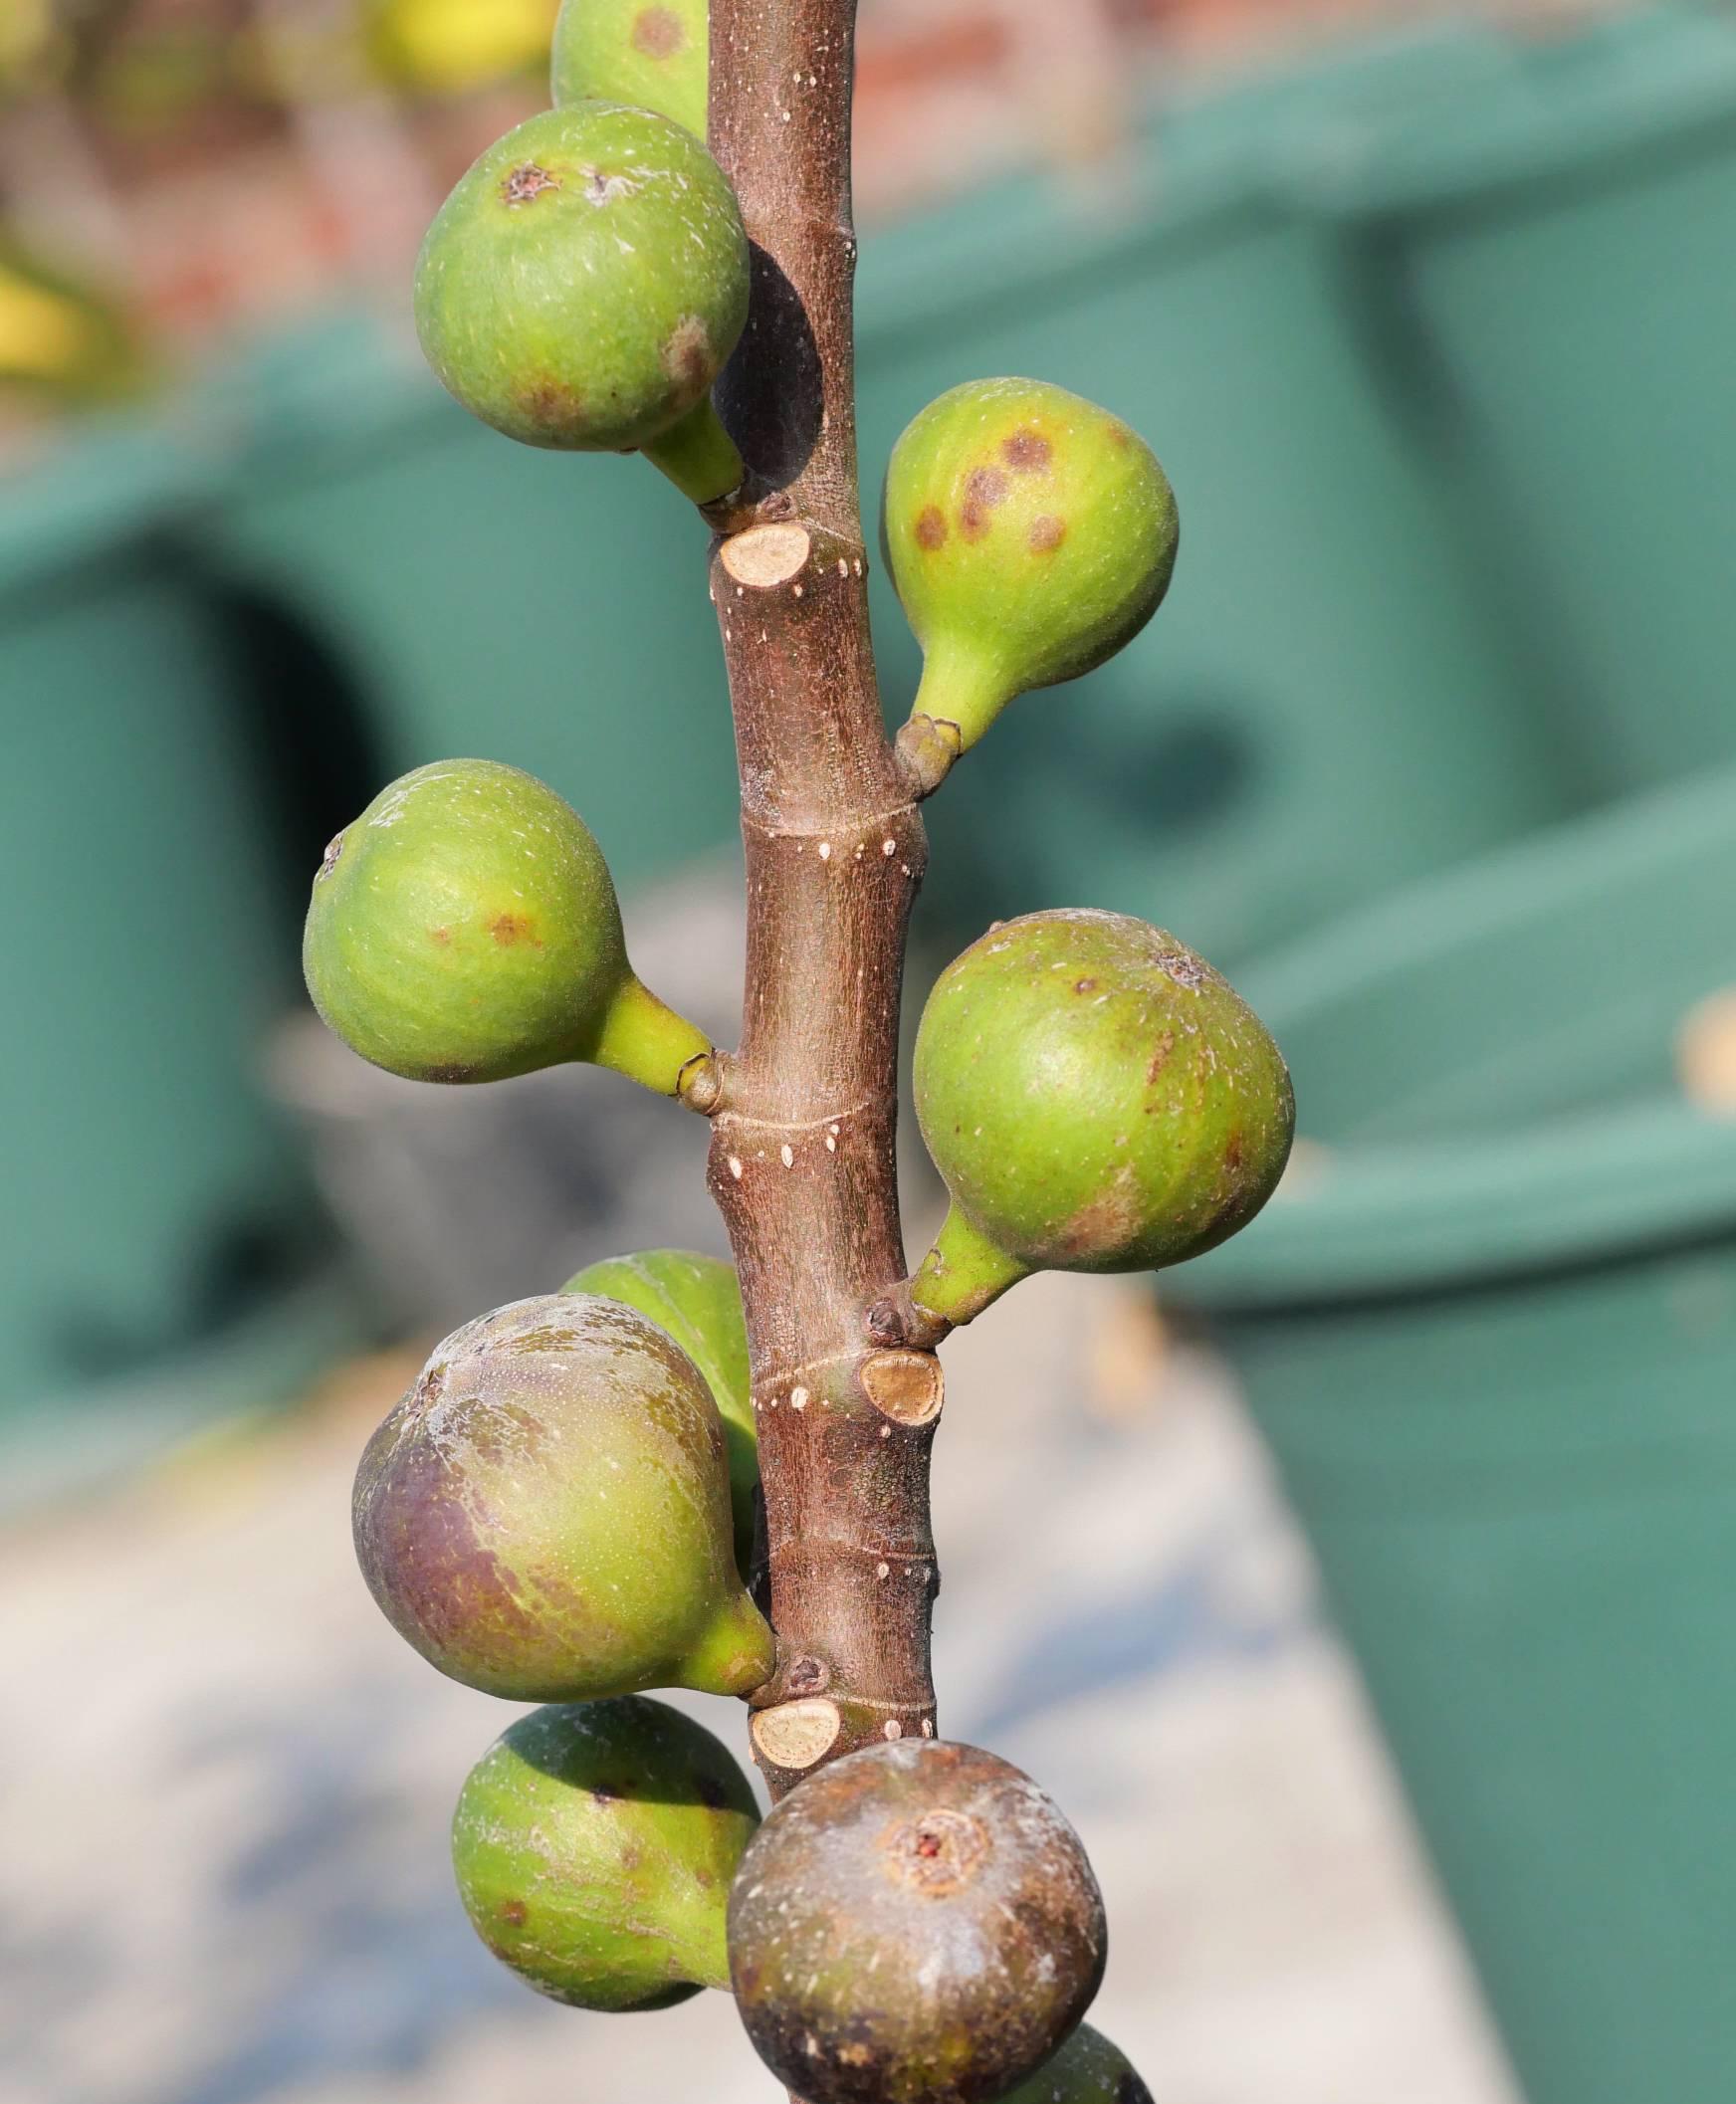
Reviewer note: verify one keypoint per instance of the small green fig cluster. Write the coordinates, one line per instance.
(587, 278)
(1096, 1098)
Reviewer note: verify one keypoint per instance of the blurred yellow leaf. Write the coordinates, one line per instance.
(44, 335)
(447, 46)
(28, 35)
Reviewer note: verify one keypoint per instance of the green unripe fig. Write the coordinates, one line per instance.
(697, 1300)
(1096, 1098)
(546, 1515)
(1087, 2070)
(465, 927)
(1031, 534)
(582, 286)
(916, 1924)
(654, 54)
(595, 1843)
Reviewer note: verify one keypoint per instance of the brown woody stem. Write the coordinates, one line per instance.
(802, 1157)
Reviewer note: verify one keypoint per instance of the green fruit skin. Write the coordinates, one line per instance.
(465, 927)
(546, 1515)
(697, 1300)
(1087, 2070)
(585, 282)
(653, 53)
(594, 1844)
(1096, 1098)
(915, 1924)
(1031, 535)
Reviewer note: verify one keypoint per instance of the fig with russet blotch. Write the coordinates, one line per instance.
(653, 53)
(1087, 2070)
(697, 1300)
(546, 1515)
(1096, 1098)
(582, 286)
(916, 1924)
(465, 927)
(1031, 535)
(594, 1844)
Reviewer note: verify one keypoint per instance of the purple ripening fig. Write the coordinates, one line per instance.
(546, 1515)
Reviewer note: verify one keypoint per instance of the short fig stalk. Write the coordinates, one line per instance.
(594, 1844)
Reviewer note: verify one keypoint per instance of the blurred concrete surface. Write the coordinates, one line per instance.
(226, 1782)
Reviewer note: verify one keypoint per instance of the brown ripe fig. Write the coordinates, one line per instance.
(916, 1924)
(546, 1515)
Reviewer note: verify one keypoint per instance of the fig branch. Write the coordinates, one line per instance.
(802, 1161)
(564, 1506)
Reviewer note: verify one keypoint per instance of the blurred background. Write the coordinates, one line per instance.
(1372, 1609)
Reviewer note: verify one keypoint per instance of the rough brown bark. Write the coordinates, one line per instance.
(803, 1148)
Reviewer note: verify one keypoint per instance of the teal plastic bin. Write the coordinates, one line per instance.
(1324, 705)
(1547, 276)
(1489, 1327)
(151, 1200)
(482, 597)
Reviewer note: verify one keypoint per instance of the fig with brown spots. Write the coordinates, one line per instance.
(582, 286)
(653, 53)
(1030, 538)
(465, 929)
(1096, 1098)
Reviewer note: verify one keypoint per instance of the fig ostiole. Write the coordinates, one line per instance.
(583, 285)
(1031, 535)
(1096, 1098)
(916, 1924)
(594, 1844)
(1087, 2070)
(697, 1300)
(465, 927)
(546, 1515)
(652, 53)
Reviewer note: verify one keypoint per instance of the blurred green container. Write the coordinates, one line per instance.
(150, 1198)
(1549, 270)
(1490, 1331)
(482, 597)
(1324, 705)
